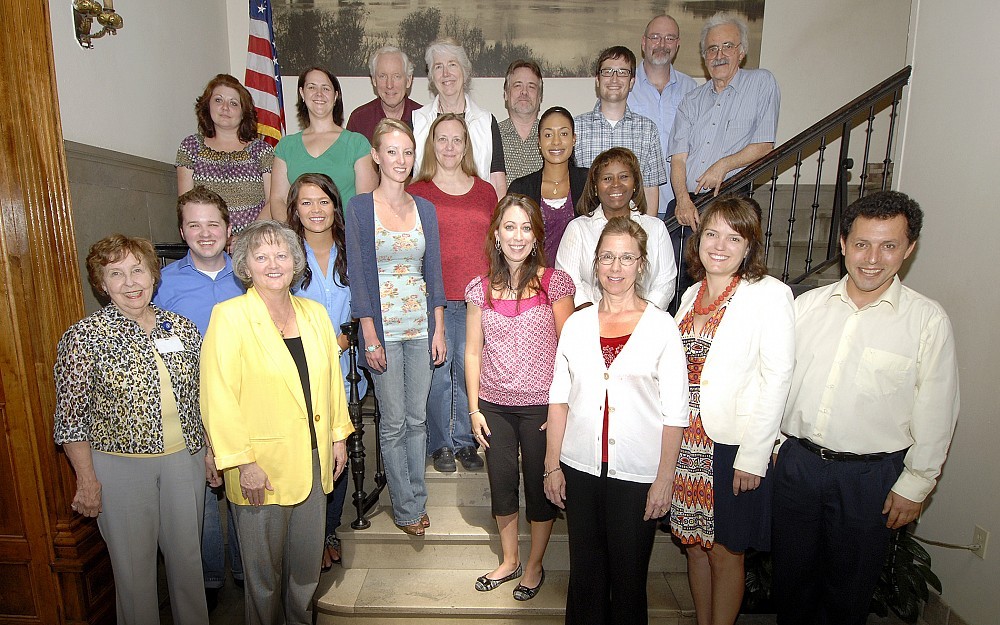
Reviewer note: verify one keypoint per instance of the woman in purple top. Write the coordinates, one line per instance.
(558, 186)
(227, 155)
(515, 314)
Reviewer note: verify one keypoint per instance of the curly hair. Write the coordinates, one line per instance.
(885, 205)
(498, 276)
(247, 131)
(329, 188)
(114, 248)
(590, 201)
(262, 233)
(302, 112)
(743, 215)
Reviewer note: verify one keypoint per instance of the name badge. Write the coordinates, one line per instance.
(168, 346)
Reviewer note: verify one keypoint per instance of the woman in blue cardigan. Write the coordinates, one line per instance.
(397, 293)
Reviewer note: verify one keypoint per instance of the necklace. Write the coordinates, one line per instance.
(701, 296)
(281, 328)
(555, 184)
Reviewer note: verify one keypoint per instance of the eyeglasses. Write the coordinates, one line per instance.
(626, 259)
(657, 38)
(608, 72)
(726, 49)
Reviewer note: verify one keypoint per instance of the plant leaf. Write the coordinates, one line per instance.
(930, 577)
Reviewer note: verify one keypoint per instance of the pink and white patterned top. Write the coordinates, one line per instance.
(520, 341)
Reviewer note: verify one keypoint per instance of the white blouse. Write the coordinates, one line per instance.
(579, 244)
(646, 388)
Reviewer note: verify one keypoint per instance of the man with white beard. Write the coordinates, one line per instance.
(725, 124)
(659, 89)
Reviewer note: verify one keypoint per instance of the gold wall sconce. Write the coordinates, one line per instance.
(84, 12)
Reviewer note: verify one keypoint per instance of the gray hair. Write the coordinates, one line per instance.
(261, 233)
(724, 19)
(373, 61)
(447, 45)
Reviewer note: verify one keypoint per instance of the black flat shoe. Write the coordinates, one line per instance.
(523, 593)
(485, 584)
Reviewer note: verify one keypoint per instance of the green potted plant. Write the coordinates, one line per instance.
(902, 587)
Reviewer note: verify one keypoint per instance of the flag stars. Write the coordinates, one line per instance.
(261, 9)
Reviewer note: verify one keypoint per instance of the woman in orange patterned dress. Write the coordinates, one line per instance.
(737, 327)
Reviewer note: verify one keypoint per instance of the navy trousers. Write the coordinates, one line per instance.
(829, 540)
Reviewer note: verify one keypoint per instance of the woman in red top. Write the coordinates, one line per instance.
(516, 312)
(463, 202)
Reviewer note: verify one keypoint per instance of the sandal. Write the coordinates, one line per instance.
(523, 593)
(414, 529)
(425, 520)
(485, 584)
(331, 552)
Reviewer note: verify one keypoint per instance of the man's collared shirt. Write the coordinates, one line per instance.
(661, 107)
(364, 118)
(192, 294)
(522, 156)
(877, 379)
(595, 134)
(710, 125)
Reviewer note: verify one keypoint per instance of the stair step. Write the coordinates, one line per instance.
(465, 538)
(442, 595)
(462, 488)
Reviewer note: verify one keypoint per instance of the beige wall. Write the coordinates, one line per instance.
(134, 92)
(951, 148)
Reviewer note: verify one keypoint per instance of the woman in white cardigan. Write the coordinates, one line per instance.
(449, 75)
(738, 330)
(617, 409)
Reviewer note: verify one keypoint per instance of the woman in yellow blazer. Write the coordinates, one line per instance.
(272, 399)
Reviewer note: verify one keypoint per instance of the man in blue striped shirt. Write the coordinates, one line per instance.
(725, 124)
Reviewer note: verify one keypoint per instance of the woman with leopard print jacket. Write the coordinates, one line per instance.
(128, 419)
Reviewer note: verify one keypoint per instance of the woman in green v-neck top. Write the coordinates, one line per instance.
(323, 146)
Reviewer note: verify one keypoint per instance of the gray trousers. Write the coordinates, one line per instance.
(282, 550)
(150, 502)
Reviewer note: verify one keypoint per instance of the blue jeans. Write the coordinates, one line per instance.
(335, 503)
(448, 422)
(213, 548)
(402, 397)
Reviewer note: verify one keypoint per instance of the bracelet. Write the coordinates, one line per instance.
(548, 473)
(476, 411)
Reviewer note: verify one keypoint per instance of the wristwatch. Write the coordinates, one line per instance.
(372, 348)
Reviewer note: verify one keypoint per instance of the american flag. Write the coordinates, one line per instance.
(263, 78)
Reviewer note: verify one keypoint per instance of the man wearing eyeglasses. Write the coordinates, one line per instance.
(612, 124)
(725, 124)
(659, 88)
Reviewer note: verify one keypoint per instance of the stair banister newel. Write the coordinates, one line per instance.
(355, 442)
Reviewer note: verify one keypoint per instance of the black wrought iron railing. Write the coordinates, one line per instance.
(804, 256)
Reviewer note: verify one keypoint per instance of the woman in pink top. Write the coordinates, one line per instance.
(515, 314)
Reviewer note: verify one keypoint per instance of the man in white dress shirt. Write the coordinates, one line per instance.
(869, 419)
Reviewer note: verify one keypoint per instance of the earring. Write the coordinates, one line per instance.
(534, 248)
(498, 245)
